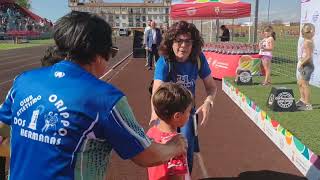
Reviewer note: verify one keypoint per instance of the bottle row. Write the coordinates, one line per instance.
(232, 48)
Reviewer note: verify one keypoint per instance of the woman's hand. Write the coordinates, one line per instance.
(205, 110)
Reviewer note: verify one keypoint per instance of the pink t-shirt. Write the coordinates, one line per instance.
(175, 166)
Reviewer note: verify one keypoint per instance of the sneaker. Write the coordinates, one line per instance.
(299, 103)
(146, 65)
(305, 107)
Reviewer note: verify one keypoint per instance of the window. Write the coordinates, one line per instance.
(124, 17)
(167, 10)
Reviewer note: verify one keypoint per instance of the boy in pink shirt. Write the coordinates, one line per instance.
(172, 103)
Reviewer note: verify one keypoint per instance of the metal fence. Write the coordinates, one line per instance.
(242, 30)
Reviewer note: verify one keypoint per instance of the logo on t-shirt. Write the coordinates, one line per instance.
(185, 81)
(59, 74)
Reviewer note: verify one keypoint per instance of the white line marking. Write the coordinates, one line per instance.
(113, 67)
(119, 71)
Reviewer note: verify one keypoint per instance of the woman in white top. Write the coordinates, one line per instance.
(305, 67)
(266, 46)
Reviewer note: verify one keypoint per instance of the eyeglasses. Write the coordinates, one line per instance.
(114, 51)
(187, 42)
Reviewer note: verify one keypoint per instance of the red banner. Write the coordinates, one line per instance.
(223, 65)
(210, 10)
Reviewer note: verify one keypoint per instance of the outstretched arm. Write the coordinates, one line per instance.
(157, 154)
(211, 90)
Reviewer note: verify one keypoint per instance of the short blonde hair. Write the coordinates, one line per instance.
(307, 28)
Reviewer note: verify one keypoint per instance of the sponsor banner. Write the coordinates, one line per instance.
(301, 156)
(224, 65)
(204, 9)
(310, 13)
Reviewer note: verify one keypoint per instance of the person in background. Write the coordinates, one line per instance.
(56, 124)
(153, 38)
(182, 61)
(145, 40)
(225, 34)
(266, 46)
(52, 56)
(172, 104)
(305, 67)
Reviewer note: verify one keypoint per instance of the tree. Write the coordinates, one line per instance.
(24, 3)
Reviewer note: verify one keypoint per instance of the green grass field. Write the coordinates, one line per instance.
(302, 124)
(284, 55)
(6, 46)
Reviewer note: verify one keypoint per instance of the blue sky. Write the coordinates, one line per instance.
(286, 10)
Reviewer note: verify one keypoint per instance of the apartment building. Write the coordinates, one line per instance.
(127, 15)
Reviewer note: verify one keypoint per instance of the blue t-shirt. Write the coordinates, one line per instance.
(186, 73)
(65, 122)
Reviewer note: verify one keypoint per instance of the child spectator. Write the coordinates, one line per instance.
(172, 103)
(266, 46)
(305, 67)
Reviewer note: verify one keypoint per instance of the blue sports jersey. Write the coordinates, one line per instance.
(186, 73)
(65, 122)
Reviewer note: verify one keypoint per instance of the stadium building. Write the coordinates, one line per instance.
(126, 15)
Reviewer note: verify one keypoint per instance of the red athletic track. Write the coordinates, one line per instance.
(231, 145)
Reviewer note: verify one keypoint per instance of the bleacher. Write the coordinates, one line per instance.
(19, 22)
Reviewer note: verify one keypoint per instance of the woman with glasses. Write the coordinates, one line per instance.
(182, 61)
(65, 120)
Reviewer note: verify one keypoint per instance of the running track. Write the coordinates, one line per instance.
(231, 145)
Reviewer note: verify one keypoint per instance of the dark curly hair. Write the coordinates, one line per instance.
(178, 28)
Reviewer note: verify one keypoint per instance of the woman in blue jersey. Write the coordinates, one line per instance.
(182, 62)
(65, 121)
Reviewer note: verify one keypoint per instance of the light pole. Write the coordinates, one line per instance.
(269, 12)
(255, 36)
